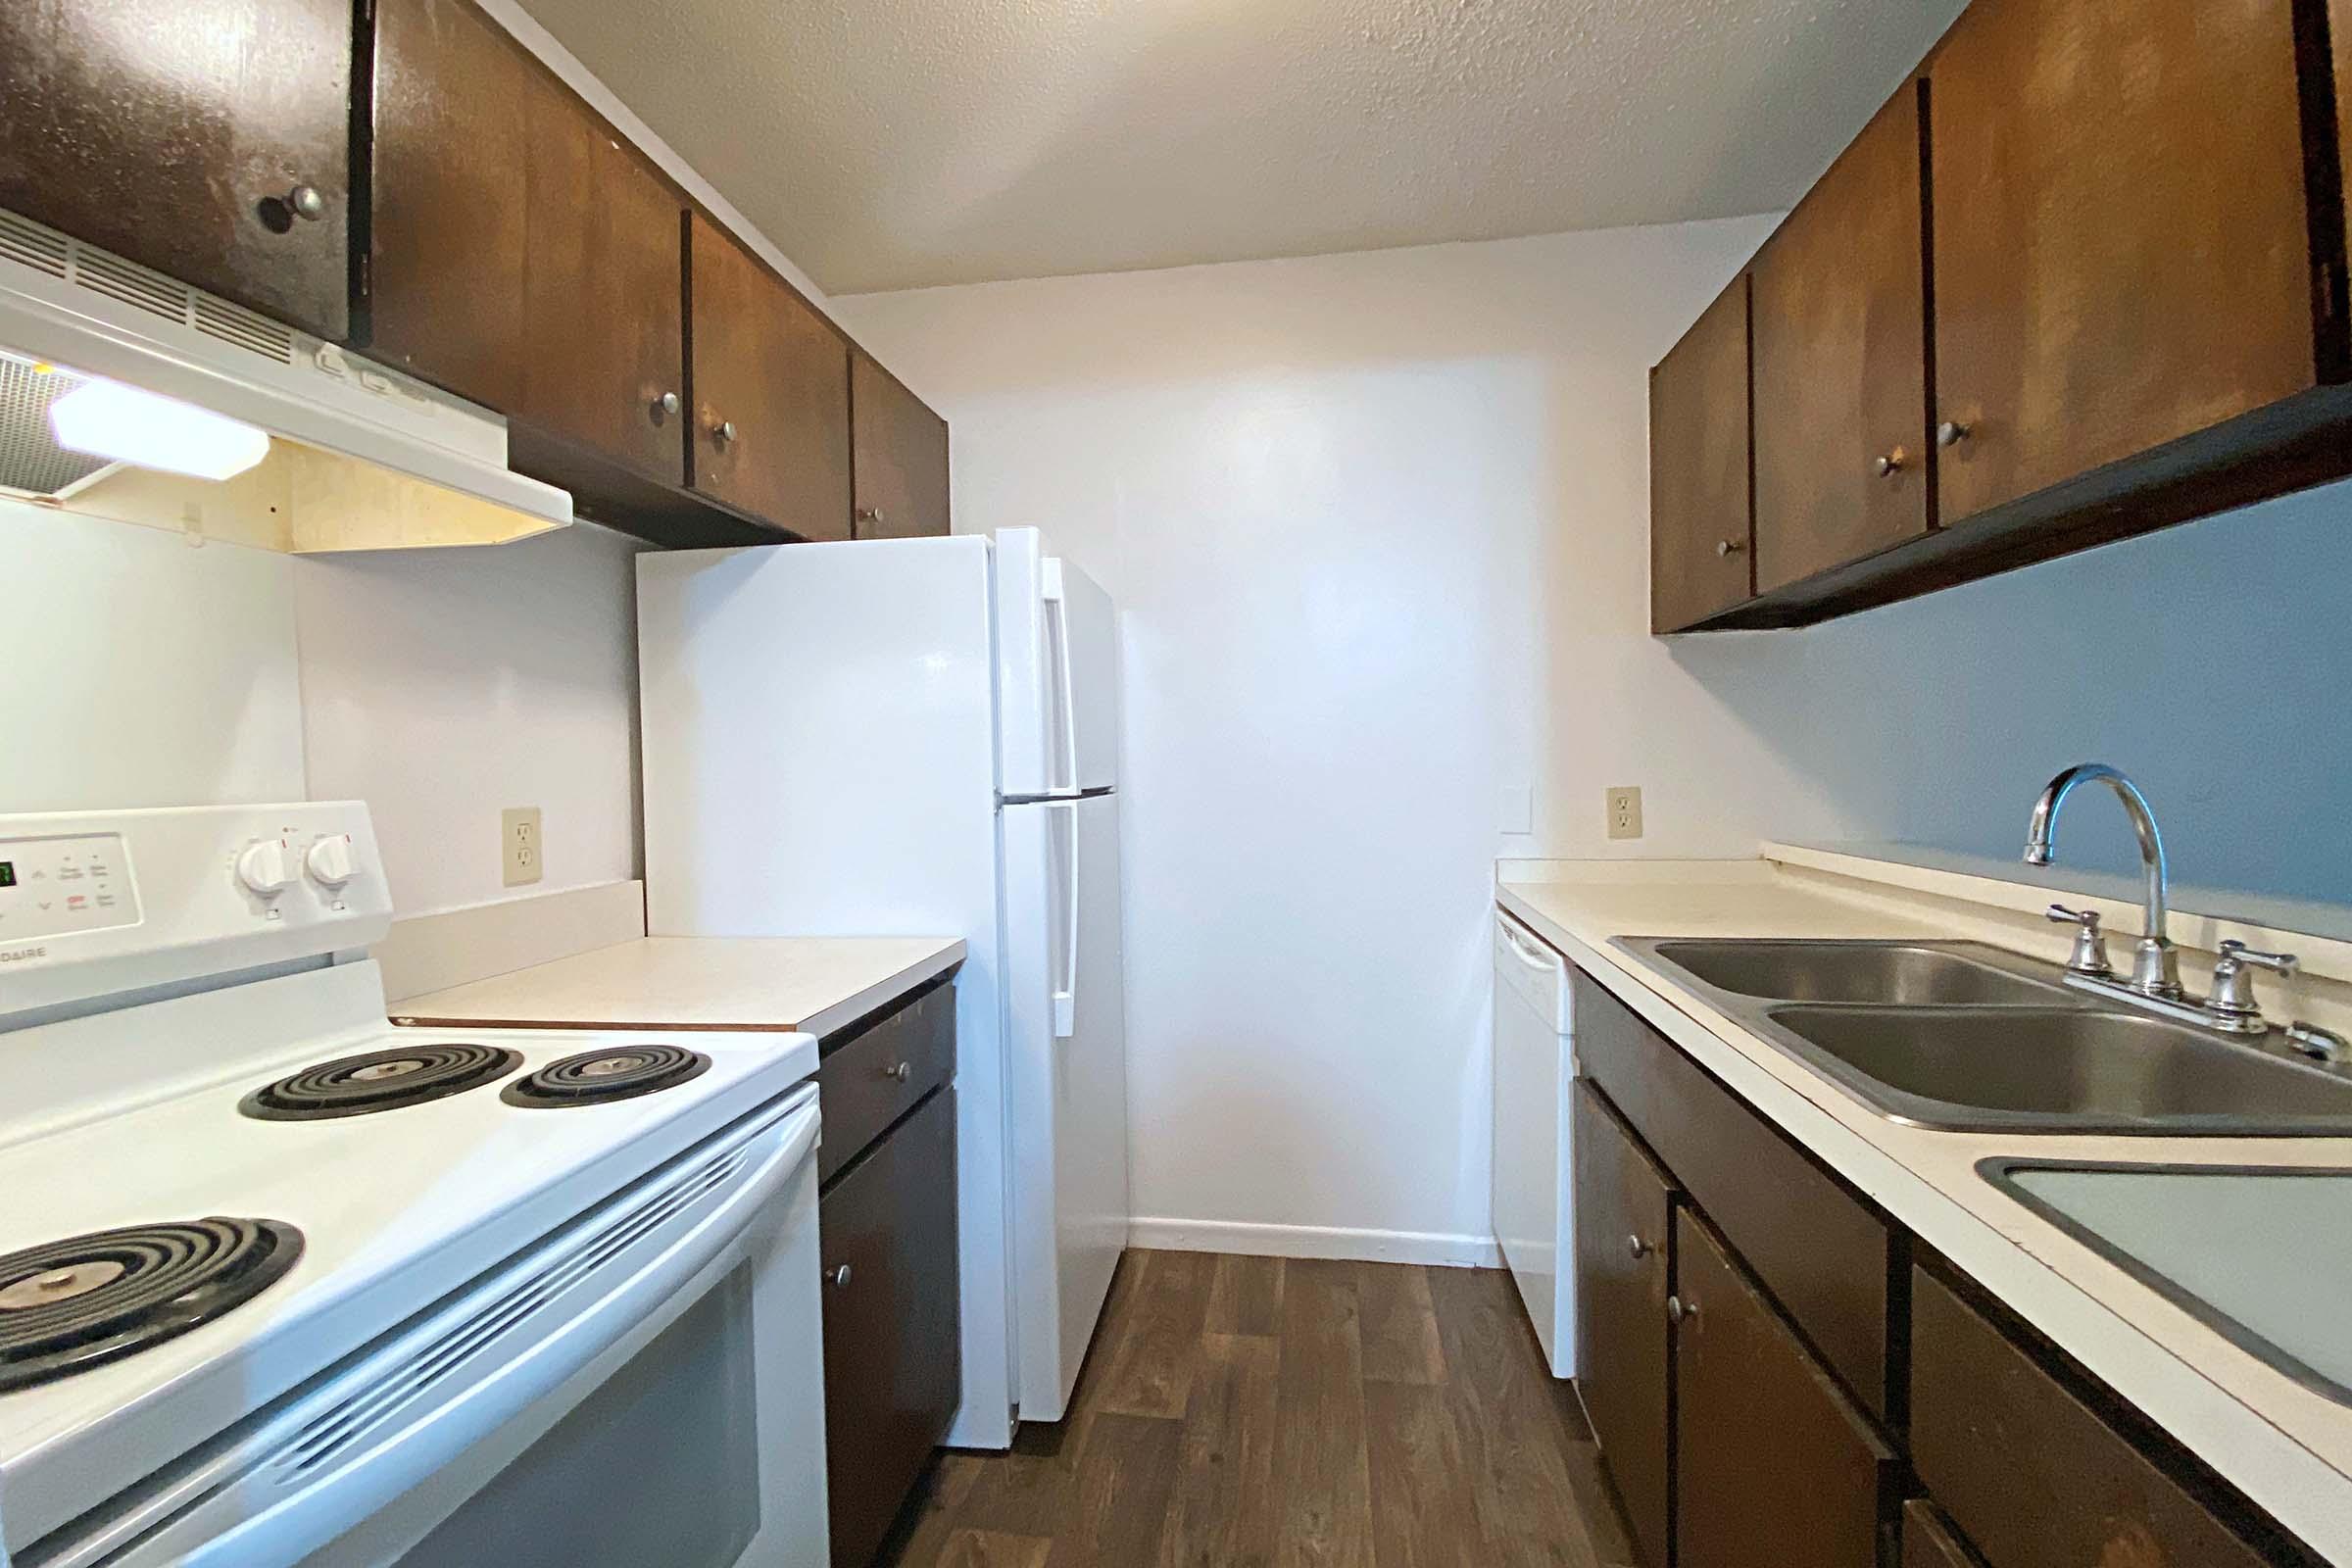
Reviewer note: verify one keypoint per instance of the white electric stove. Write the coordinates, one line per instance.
(279, 1284)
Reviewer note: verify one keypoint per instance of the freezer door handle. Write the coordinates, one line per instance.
(1058, 653)
(1065, 986)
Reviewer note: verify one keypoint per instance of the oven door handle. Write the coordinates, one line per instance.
(349, 1447)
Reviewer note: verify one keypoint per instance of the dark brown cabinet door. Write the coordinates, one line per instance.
(1772, 1464)
(1839, 296)
(455, 98)
(900, 454)
(1701, 541)
(180, 135)
(2121, 255)
(893, 1362)
(1624, 1217)
(2036, 1477)
(604, 305)
(1929, 1540)
(771, 393)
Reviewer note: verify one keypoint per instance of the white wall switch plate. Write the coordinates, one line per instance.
(1624, 811)
(519, 835)
(1516, 810)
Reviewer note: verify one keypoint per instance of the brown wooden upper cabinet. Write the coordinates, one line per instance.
(523, 255)
(1839, 302)
(771, 393)
(2121, 252)
(898, 451)
(1701, 533)
(210, 139)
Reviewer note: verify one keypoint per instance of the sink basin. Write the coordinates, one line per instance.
(2061, 1069)
(1899, 973)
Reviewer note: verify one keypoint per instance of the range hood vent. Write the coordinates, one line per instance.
(360, 456)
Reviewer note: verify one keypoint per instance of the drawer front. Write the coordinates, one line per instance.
(1624, 1215)
(893, 1361)
(1773, 1462)
(1929, 1540)
(875, 1073)
(1818, 1250)
(2034, 1476)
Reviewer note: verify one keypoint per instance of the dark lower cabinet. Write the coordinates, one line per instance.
(2034, 1475)
(1755, 1415)
(1931, 1542)
(1624, 1224)
(893, 1337)
(1772, 1463)
(209, 139)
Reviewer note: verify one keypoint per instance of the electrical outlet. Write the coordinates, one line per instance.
(519, 835)
(1516, 808)
(1624, 811)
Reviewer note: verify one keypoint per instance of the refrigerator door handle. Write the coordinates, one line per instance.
(1057, 650)
(1065, 990)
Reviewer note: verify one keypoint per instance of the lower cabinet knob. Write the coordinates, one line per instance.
(1950, 433)
(723, 433)
(1636, 1245)
(1888, 466)
(307, 202)
(1730, 547)
(1679, 1311)
(840, 1277)
(666, 406)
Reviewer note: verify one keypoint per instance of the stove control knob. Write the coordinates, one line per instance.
(262, 867)
(328, 862)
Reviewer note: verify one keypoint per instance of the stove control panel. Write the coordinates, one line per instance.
(51, 886)
(98, 903)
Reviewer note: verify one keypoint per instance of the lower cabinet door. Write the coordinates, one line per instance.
(1772, 1463)
(1623, 1208)
(893, 1330)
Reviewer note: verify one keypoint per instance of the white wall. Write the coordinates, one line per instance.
(140, 669)
(442, 686)
(1373, 521)
(439, 686)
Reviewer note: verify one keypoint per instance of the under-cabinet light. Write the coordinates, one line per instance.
(108, 420)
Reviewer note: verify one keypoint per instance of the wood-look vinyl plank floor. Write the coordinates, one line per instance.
(1249, 1412)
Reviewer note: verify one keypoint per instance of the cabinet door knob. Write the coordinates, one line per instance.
(900, 1072)
(869, 514)
(1679, 1311)
(1888, 466)
(723, 431)
(1951, 432)
(1636, 1245)
(840, 1277)
(307, 202)
(1730, 547)
(666, 406)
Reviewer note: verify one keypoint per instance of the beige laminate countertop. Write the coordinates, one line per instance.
(2284, 1444)
(812, 984)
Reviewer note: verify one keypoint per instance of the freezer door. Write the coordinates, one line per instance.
(1066, 1066)
(1082, 642)
(1058, 674)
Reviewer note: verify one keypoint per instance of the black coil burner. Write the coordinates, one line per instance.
(380, 1080)
(616, 1072)
(88, 1300)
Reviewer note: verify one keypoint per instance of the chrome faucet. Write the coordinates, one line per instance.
(2155, 962)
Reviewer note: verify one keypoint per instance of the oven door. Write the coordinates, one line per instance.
(646, 1386)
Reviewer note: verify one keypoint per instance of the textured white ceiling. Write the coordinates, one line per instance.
(898, 143)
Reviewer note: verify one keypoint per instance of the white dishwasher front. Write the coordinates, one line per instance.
(1535, 1076)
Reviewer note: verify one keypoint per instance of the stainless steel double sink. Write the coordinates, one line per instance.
(1963, 1035)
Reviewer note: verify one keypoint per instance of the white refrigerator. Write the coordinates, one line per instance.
(913, 737)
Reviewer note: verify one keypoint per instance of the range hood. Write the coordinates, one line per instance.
(356, 456)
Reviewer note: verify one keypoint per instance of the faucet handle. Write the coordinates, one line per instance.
(2090, 943)
(2233, 988)
(2234, 950)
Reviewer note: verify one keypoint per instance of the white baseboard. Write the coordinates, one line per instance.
(1315, 1241)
